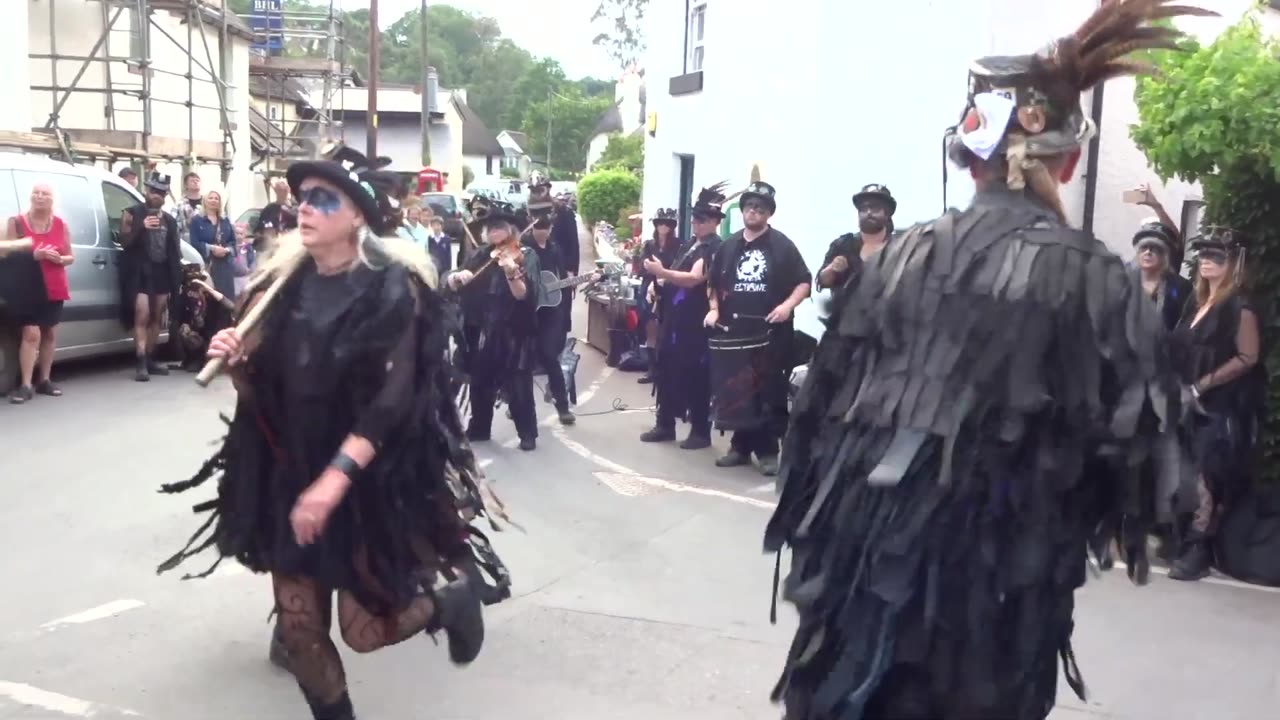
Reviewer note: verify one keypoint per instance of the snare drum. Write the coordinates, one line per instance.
(739, 370)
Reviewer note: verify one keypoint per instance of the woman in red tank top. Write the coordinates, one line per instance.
(51, 249)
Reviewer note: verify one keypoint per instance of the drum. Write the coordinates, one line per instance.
(739, 369)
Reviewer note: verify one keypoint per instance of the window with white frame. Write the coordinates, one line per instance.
(696, 47)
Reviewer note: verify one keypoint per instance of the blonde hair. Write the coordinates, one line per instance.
(289, 252)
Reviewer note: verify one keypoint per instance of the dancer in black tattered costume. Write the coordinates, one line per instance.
(974, 421)
(345, 467)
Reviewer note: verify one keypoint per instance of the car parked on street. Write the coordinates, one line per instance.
(447, 207)
(91, 201)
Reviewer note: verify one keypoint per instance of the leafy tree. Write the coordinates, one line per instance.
(1212, 117)
(624, 152)
(468, 176)
(604, 194)
(622, 35)
(572, 117)
(540, 80)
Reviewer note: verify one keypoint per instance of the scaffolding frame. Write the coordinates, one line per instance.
(321, 27)
(111, 144)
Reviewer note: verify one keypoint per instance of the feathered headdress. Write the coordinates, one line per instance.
(710, 201)
(1028, 106)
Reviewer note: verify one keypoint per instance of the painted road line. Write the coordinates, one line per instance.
(764, 489)
(102, 612)
(29, 696)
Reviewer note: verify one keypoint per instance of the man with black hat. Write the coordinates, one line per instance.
(1155, 246)
(757, 279)
(976, 421)
(682, 373)
(479, 206)
(846, 255)
(150, 272)
(553, 326)
(499, 301)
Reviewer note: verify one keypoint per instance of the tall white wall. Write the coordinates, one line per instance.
(15, 81)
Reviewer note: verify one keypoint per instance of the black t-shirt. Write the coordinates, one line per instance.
(549, 257)
(752, 278)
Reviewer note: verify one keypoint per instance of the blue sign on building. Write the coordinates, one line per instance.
(267, 18)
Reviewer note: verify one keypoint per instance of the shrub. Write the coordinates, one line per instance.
(468, 176)
(1212, 117)
(604, 194)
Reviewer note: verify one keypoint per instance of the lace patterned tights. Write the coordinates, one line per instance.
(306, 611)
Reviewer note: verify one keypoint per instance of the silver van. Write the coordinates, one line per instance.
(91, 200)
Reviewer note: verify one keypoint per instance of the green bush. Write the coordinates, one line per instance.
(509, 172)
(623, 224)
(624, 152)
(604, 194)
(1212, 117)
(468, 176)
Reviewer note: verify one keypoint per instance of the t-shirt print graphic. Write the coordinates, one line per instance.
(753, 272)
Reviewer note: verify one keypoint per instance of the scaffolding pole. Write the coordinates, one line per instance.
(84, 142)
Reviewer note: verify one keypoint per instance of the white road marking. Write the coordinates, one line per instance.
(30, 696)
(101, 612)
(1212, 580)
(485, 463)
(764, 489)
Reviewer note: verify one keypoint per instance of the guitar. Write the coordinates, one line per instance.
(554, 285)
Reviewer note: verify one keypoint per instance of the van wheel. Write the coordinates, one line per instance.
(9, 342)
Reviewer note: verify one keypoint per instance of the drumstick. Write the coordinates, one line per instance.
(247, 325)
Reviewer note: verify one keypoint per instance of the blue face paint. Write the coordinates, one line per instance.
(322, 200)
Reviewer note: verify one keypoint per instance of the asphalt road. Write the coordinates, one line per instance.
(641, 592)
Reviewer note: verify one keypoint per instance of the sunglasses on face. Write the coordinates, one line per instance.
(873, 210)
(1216, 257)
(1155, 247)
(755, 206)
(321, 199)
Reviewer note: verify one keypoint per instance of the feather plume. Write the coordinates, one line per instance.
(755, 173)
(1099, 49)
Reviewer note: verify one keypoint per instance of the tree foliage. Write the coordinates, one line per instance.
(573, 117)
(604, 194)
(506, 85)
(624, 152)
(1212, 117)
(622, 29)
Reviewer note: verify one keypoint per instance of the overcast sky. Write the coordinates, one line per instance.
(560, 29)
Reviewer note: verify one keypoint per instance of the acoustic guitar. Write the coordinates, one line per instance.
(554, 285)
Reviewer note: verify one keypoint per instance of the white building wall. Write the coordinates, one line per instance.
(15, 81)
(850, 105)
(596, 147)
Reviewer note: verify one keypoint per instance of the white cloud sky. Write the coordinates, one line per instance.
(560, 29)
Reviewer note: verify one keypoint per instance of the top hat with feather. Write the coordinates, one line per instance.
(351, 172)
(710, 202)
(1036, 98)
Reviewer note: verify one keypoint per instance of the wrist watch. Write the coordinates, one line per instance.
(346, 465)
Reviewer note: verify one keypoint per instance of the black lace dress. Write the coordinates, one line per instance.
(361, 352)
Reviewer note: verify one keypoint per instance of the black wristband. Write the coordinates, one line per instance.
(346, 465)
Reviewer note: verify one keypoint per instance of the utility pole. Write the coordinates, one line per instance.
(548, 133)
(371, 130)
(426, 100)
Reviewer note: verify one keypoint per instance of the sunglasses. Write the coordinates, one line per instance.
(1155, 247)
(321, 199)
(1217, 257)
(755, 206)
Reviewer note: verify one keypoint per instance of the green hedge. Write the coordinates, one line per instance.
(604, 194)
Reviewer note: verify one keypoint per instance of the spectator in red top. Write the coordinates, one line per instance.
(39, 318)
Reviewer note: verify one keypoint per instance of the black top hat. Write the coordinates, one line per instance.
(159, 182)
(351, 172)
(502, 217)
(709, 203)
(875, 190)
(666, 216)
(762, 191)
(1218, 238)
(539, 198)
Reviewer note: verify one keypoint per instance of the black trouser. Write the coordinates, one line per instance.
(550, 343)
(763, 441)
(695, 386)
(517, 386)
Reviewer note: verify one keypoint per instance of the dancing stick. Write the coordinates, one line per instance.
(247, 325)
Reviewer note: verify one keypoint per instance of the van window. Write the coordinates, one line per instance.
(117, 200)
(71, 202)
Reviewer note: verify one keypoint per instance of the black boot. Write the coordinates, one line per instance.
(659, 433)
(733, 458)
(340, 709)
(141, 375)
(460, 613)
(1194, 563)
(697, 440)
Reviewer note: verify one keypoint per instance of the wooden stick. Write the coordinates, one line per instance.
(244, 327)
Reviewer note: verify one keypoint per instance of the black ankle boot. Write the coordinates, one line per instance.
(338, 710)
(459, 611)
(278, 654)
(1194, 562)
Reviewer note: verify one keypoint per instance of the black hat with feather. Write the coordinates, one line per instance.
(368, 186)
(1028, 106)
(710, 202)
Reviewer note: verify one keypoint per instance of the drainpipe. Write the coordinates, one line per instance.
(1095, 145)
